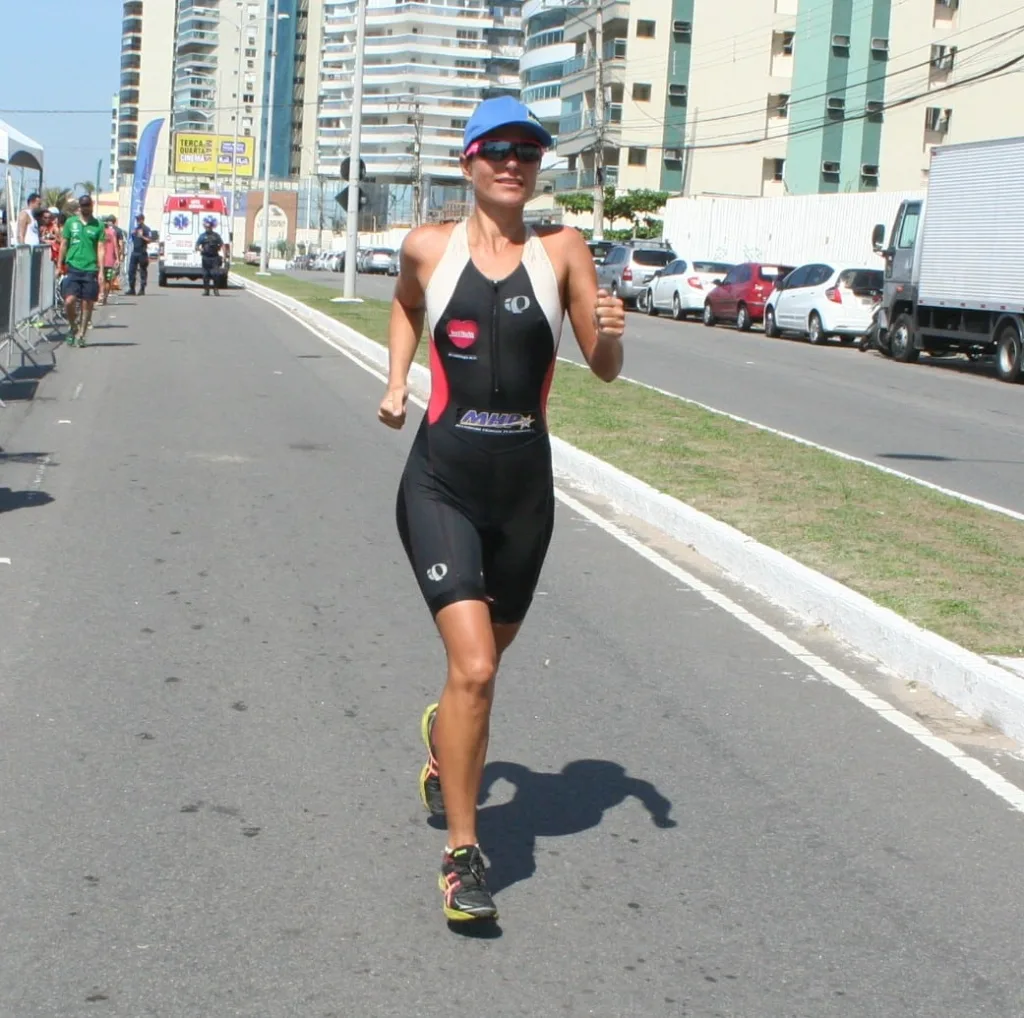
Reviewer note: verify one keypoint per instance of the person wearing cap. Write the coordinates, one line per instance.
(475, 506)
(138, 262)
(49, 232)
(210, 245)
(81, 258)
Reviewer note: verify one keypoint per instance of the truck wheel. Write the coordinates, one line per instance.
(1008, 353)
(901, 340)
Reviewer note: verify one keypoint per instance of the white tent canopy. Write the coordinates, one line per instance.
(17, 149)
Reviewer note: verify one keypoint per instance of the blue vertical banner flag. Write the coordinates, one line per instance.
(144, 156)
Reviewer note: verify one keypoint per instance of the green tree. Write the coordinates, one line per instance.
(57, 198)
(633, 206)
(87, 186)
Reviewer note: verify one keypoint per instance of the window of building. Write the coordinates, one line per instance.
(646, 29)
(641, 92)
(638, 157)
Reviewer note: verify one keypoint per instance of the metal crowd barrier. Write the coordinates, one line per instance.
(28, 299)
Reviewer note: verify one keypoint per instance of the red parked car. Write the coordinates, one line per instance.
(741, 296)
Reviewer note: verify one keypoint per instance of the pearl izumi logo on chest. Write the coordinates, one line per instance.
(517, 305)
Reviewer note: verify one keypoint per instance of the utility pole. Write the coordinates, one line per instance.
(267, 146)
(352, 221)
(599, 122)
(417, 164)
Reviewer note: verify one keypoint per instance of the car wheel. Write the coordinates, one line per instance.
(677, 308)
(1008, 354)
(815, 332)
(743, 321)
(901, 340)
(649, 303)
(771, 330)
(708, 318)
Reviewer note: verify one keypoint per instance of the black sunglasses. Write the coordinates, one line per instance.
(497, 151)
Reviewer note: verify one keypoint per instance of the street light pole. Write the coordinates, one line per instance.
(352, 220)
(264, 252)
(234, 142)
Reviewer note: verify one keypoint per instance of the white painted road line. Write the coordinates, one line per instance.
(970, 766)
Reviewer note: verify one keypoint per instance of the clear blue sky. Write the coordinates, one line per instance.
(62, 55)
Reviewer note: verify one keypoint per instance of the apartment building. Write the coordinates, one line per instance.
(637, 52)
(545, 53)
(935, 44)
(147, 68)
(427, 65)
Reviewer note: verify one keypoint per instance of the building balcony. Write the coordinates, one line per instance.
(615, 13)
(198, 62)
(577, 133)
(582, 180)
(195, 39)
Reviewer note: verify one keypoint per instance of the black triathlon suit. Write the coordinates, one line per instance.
(476, 501)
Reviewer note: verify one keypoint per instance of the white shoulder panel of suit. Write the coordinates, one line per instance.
(457, 256)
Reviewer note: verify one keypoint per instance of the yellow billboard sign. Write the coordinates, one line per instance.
(207, 155)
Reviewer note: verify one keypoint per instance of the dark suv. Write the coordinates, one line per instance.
(628, 268)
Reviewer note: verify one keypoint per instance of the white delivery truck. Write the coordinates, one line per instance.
(954, 263)
(180, 228)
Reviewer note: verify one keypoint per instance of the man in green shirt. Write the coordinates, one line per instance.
(81, 260)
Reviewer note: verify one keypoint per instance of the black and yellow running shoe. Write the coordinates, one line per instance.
(430, 783)
(464, 885)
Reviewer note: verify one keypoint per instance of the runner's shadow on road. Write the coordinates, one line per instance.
(550, 805)
(10, 499)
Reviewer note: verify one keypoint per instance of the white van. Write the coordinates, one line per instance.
(180, 229)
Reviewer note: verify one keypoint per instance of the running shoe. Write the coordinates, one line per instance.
(464, 885)
(430, 783)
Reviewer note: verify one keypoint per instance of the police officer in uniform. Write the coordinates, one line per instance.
(210, 245)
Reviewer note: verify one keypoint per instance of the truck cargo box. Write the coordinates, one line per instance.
(972, 244)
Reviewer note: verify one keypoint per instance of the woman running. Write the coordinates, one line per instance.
(476, 501)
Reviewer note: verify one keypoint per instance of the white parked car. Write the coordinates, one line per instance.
(680, 287)
(819, 301)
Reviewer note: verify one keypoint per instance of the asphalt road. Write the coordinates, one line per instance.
(946, 421)
(213, 660)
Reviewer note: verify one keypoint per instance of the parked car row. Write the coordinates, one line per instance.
(369, 259)
(816, 300)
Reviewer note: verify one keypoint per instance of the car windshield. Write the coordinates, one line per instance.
(658, 258)
(718, 268)
(774, 272)
(862, 279)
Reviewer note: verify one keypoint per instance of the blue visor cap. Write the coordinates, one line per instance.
(504, 111)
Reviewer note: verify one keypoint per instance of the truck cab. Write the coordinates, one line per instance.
(902, 268)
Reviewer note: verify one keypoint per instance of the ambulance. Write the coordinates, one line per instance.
(180, 228)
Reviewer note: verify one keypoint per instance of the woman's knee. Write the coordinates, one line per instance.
(473, 672)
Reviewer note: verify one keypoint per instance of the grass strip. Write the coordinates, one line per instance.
(948, 566)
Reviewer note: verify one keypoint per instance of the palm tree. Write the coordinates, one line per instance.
(87, 186)
(57, 198)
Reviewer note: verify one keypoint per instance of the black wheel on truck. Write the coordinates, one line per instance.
(1008, 353)
(901, 340)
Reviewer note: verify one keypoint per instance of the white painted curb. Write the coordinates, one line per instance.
(973, 684)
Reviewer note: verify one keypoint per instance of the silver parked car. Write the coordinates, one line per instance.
(628, 268)
(379, 259)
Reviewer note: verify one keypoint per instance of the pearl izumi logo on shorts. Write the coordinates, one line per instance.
(494, 423)
(437, 572)
(463, 334)
(517, 305)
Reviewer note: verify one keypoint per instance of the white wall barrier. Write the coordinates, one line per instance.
(793, 230)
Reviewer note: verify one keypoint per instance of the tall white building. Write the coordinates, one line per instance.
(427, 65)
(543, 65)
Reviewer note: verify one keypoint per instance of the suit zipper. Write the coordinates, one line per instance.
(495, 362)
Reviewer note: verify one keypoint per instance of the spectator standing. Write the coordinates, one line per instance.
(138, 264)
(28, 225)
(110, 259)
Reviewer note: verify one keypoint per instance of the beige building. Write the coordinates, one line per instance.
(741, 75)
(636, 56)
(936, 43)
